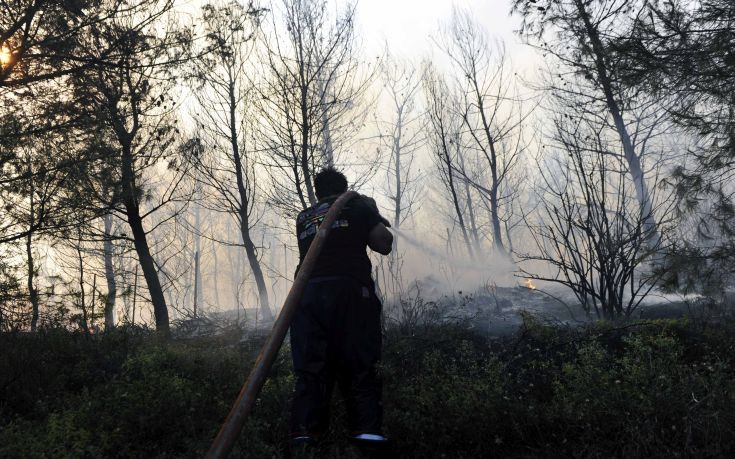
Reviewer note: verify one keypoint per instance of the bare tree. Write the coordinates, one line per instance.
(225, 158)
(444, 139)
(590, 231)
(309, 98)
(491, 113)
(401, 133)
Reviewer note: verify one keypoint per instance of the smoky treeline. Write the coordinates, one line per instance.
(154, 153)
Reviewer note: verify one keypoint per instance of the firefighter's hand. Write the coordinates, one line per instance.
(374, 205)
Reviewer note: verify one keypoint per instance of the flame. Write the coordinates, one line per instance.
(5, 55)
(529, 284)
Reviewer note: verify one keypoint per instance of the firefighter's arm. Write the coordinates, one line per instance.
(380, 239)
(374, 206)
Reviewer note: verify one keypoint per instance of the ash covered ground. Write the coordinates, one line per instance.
(499, 311)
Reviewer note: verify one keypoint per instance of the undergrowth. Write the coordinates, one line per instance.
(658, 389)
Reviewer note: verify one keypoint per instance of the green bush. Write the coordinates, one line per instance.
(609, 390)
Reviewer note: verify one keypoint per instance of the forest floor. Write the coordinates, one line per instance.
(640, 388)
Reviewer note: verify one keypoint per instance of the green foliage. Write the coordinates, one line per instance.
(663, 388)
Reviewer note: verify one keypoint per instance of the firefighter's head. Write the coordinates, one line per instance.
(329, 182)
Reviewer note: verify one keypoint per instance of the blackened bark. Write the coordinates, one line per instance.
(135, 221)
(243, 216)
(493, 163)
(32, 292)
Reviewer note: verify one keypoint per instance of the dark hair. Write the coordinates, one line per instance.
(329, 181)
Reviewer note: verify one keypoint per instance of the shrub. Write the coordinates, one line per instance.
(612, 390)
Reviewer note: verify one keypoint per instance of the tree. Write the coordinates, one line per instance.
(39, 39)
(36, 201)
(129, 101)
(681, 52)
(590, 233)
(43, 162)
(401, 133)
(584, 39)
(225, 160)
(309, 97)
(491, 113)
(444, 139)
(11, 311)
(111, 296)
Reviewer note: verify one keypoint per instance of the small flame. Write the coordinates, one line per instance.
(5, 55)
(529, 284)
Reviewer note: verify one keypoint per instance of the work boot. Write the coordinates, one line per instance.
(302, 447)
(374, 446)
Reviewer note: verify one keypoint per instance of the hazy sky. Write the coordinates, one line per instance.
(407, 25)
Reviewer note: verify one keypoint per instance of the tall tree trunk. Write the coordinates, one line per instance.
(470, 207)
(109, 276)
(399, 189)
(393, 260)
(234, 272)
(135, 221)
(471, 214)
(197, 283)
(198, 294)
(32, 292)
(455, 197)
(216, 274)
(508, 238)
(243, 216)
(160, 311)
(94, 297)
(631, 157)
(266, 313)
(82, 296)
(493, 163)
(135, 292)
(171, 301)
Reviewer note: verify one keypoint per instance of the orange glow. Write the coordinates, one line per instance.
(5, 55)
(529, 284)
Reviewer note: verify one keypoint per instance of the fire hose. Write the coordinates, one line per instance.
(228, 433)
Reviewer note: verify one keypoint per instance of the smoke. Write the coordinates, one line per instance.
(459, 272)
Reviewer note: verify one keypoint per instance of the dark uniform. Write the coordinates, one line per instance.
(336, 333)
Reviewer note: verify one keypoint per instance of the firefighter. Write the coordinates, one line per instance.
(336, 333)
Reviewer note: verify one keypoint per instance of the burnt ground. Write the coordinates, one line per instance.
(499, 311)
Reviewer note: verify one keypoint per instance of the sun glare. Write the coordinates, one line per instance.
(5, 55)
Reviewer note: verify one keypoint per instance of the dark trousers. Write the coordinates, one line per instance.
(336, 337)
